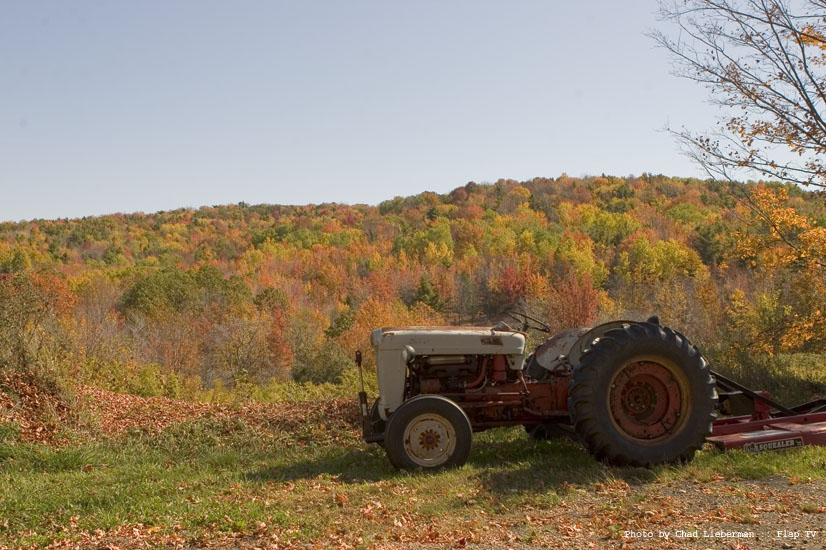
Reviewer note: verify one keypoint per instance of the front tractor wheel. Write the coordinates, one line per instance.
(642, 394)
(428, 432)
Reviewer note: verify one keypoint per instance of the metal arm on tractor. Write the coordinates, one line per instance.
(766, 425)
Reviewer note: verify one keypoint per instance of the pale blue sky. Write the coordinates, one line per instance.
(115, 106)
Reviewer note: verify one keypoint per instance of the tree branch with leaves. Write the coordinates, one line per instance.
(764, 64)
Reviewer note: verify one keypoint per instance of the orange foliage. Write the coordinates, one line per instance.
(572, 302)
(278, 346)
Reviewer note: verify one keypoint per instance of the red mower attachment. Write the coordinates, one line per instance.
(768, 425)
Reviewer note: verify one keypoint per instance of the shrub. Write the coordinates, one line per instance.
(32, 337)
(326, 364)
(151, 381)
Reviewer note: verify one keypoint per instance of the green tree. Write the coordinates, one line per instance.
(428, 294)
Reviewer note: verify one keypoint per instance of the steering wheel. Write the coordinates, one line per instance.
(526, 319)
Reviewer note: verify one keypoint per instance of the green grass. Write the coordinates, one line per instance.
(210, 476)
(790, 378)
(805, 462)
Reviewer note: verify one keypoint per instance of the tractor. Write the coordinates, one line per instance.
(633, 392)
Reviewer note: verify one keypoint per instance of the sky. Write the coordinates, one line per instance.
(144, 106)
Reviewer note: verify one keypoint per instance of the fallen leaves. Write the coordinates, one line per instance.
(371, 510)
(40, 411)
(43, 415)
(117, 413)
(595, 518)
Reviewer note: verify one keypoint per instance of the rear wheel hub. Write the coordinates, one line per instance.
(648, 400)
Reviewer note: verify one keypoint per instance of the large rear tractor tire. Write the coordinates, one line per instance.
(642, 394)
(428, 432)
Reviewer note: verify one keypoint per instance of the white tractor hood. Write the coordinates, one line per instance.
(449, 340)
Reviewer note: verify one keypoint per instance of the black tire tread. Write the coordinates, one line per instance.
(394, 445)
(588, 415)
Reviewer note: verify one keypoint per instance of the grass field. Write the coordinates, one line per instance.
(250, 479)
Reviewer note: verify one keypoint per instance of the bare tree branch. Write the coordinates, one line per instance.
(764, 63)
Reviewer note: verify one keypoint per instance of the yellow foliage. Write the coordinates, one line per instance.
(436, 254)
(579, 253)
(526, 242)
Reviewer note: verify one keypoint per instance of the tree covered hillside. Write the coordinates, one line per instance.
(247, 295)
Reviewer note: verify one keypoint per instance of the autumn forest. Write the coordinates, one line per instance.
(206, 303)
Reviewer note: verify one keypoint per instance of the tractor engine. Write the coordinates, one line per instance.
(443, 360)
(479, 368)
(457, 373)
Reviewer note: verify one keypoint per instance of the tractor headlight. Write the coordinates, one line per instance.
(408, 354)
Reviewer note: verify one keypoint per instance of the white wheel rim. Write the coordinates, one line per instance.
(429, 440)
